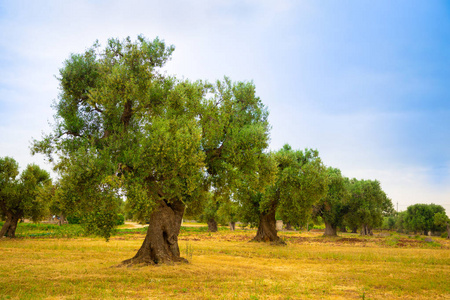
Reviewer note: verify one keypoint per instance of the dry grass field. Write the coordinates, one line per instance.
(224, 265)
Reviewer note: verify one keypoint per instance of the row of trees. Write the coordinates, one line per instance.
(419, 218)
(312, 192)
(172, 147)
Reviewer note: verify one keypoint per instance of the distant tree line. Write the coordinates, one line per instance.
(419, 219)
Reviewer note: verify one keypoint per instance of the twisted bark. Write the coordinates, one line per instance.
(212, 225)
(330, 230)
(267, 231)
(9, 228)
(161, 242)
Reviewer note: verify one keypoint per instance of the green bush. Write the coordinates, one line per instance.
(120, 219)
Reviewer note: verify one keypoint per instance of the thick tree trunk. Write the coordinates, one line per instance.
(232, 226)
(343, 229)
(366, 230)
(9, 228)
(267, 231)
(330, 230)
(355, 230)
(212, 225)
(161, 242)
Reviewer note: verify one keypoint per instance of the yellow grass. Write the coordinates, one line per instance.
(226, 266)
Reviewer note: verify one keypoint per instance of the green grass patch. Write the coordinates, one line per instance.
(33, 230)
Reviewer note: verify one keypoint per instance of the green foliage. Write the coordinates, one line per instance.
(46, 194)
(333, 207)
(441, 219)
(300, 181)
(421, 217)
(400, 221)
(125, 130)
(249, 209)
(120, 219)
(9, 169)
(73, 219)
(234, 135)
(388, 222)
(223, 210)
(228, 211)
(368, 204)
(100, 223)
(20, 196)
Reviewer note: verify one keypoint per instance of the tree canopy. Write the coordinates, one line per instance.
(333, 207)
(19, 195)
(300, 181)
(124, 129)
(421, 217)
(442, 220)
(368, 204)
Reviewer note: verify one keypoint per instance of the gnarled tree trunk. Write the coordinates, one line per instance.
(161, 242)
(9, 228)
(267, 231)
(212, 225)
(330, 230)
(355, 230)
(366, 230)
(232, 226)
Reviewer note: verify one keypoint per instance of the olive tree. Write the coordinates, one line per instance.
(123, 129)
(219, 209)
(19, 195)
(420, 217)
(300, 181)
(368, 204)
(228, 212)
(333, 207)
(441, 219)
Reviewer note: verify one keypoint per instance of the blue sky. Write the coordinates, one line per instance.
(367, 83)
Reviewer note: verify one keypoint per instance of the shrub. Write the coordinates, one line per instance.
(120, 219)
